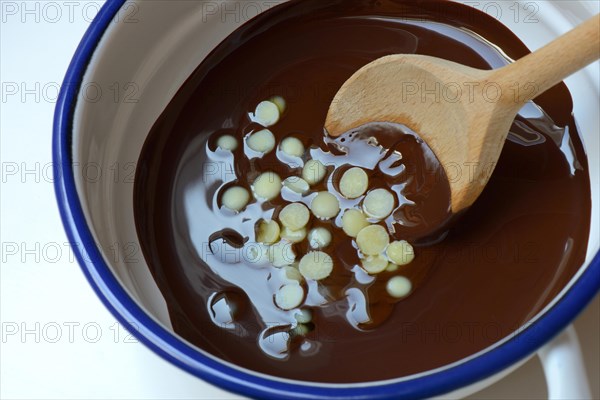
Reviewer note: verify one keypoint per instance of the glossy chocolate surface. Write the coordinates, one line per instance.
(499, 265)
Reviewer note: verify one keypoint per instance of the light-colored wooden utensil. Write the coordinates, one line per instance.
(463, 114)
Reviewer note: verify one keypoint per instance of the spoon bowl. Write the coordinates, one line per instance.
(462, 113)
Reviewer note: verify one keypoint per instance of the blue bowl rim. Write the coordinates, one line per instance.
(185, 356)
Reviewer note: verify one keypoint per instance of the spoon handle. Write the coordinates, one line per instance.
(539, 71)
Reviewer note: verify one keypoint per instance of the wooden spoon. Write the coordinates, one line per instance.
(462, 113)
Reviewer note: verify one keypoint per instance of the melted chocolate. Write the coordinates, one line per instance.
(501, 263)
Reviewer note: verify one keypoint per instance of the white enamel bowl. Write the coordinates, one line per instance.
(147, 49)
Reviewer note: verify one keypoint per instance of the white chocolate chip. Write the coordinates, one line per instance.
(304, 316)
(313, 172)
(325, 205)
(374, 264)
(293, 273)
(398, 287)
(378, 203)
(267, 186)
(353, 222)
(235, 198)
(319, 238)
(262, 141)
(279, 102)
(227, 142)
(400, 252)
(293, 236)
(354, 183)
(289, 296)
(267, 232)
(300, 330)
(266, 113)
(281, 254)
(296, 184)
(292, 147)
(372, 240)
(392, 267)
(294, 216)
(316, 265)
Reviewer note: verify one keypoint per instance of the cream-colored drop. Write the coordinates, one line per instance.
(319, 238)
(378, 203)
(289, 296)
(227, 142)
(296, 184)
(400, 252)
(293, 236)
(316, 265)
(372, 240)
(304, 316)
(266, 113)
(235, 198)
(292, 147)
(294, 216)
(392, 267)
(325, 205)
(398, 287)
(279, 102)
(267, 231)
(262, 141)
(354, 183)
(267, 186)
(300, 330)
(353, 221)
(374, 264)
(313, 172)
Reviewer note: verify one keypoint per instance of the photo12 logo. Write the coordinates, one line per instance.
(90, 92)
(48, 172)
(56, 12)
(64, 252)
(65, 332)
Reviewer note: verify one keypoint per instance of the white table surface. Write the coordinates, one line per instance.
(58, 341)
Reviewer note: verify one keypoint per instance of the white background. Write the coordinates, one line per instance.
(58, 341)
